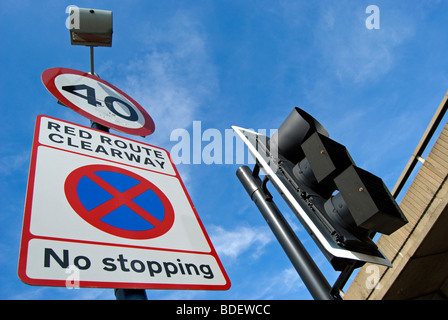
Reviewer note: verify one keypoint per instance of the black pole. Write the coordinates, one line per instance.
(308, 271)
(130, 294)
(92, 71)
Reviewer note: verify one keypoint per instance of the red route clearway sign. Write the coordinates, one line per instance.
(106, 211)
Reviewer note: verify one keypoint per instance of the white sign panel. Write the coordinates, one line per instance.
(114, 210)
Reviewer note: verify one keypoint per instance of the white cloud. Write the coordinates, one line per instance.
(286, 283)
(40, 293)
(13, 163)
(173, 76)
(233, 243)
(279, 284)
(350, 50)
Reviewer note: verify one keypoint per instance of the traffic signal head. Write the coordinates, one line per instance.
(342, 206)
(370, 202)
(327, 158)
(297, 127)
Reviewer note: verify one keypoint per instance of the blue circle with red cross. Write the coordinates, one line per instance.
(119, 202)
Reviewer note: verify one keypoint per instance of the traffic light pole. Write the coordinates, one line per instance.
(308, 271)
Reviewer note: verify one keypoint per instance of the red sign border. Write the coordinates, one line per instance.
(48, 79)
(27, 236)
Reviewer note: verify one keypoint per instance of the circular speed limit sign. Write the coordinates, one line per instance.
(98, 101)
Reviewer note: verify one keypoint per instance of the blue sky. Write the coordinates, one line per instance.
(223, 63)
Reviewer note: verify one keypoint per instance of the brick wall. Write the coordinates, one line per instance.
(419, 250)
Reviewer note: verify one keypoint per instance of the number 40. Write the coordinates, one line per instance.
(108, 100)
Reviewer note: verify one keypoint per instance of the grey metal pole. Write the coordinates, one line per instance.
(308, 271)
(92, 71)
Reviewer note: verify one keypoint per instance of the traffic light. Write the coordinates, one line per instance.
(341, 205)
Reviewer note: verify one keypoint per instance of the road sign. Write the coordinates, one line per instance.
(106, 211)
(98, 101)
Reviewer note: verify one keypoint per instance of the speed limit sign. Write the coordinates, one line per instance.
(98, 101)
